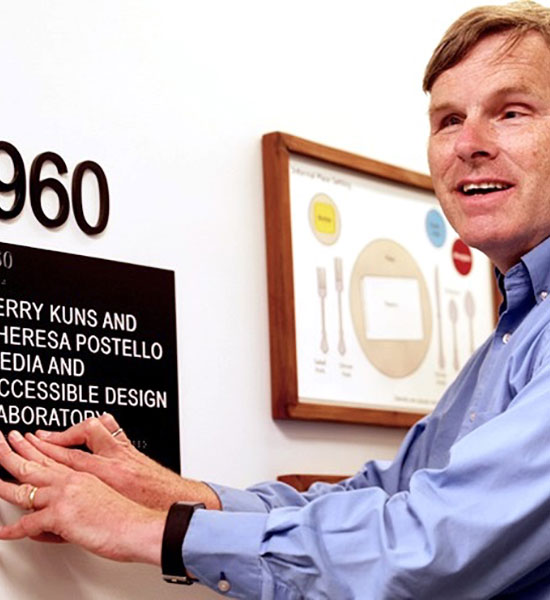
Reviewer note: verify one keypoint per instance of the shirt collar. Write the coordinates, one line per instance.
(537, 263)
(533, 270)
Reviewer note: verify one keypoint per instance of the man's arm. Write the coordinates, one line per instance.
(386, 475)
(467, 530)
(116, 462)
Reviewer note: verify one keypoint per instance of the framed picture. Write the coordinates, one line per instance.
(374, 301)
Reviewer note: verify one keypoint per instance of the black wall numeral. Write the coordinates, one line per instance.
(37, 185)
(16, 185)
(78, 175)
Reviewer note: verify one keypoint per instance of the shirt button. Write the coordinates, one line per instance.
(543, 295)
(506, 337)
(472, 416)
(224, 585)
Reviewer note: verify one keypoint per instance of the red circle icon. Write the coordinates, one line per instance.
(462, 257)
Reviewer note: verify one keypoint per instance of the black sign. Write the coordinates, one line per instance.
(80, 336)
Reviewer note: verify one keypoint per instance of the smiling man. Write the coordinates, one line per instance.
(463, 512)
(489, 148)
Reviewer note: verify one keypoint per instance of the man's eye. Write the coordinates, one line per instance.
(450, 121)
(515, 113)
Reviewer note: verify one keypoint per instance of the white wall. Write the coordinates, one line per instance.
(172, 98)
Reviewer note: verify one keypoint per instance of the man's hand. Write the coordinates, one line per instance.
(77, 507)
(116, 462)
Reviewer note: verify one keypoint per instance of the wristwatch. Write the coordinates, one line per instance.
(175, 528)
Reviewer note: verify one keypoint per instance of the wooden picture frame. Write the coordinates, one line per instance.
(282, 159)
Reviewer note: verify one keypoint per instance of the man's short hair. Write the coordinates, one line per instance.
(517, 17)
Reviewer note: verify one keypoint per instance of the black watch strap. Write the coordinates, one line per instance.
(175, 528)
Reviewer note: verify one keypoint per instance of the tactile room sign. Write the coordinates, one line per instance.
(80, 336)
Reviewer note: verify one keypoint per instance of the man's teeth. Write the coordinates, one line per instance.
(483, 188)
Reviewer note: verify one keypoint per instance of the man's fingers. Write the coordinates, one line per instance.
(99, 436)
(12, 462)
(33, 525)
(13, 531)
(96, 433)
(74, 458)
(73, 436)
(113, 427)
(16, 493)
(24, 495)
(25, 449)
(25, 471)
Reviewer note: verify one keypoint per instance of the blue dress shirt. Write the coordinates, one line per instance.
(462, 513)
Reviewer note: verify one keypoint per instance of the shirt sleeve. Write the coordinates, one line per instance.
(264, 497)
(467, 530)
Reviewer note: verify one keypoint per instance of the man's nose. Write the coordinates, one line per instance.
(475, 141)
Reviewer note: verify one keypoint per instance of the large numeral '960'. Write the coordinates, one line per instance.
(37, 186)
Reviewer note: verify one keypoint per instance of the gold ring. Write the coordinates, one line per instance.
(117, 432)
(32, 495)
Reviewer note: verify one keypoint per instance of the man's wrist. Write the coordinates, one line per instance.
(146, 537)
(177, 522)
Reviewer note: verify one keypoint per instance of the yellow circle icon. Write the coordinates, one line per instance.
(324, 219)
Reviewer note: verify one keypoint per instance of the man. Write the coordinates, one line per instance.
(463, 512)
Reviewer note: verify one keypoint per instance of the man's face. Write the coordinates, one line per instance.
(489, 147)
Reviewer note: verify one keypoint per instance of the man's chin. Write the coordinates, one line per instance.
(491, 243)
(487, 234)
(503, 250)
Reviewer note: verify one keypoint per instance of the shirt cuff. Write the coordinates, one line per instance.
(233, 500)
(213, 552)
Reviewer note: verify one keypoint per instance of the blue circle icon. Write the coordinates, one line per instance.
(436, 228)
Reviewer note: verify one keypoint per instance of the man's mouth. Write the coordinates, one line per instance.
(487, 187)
